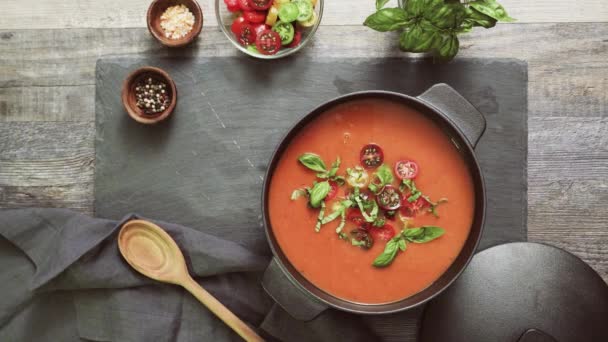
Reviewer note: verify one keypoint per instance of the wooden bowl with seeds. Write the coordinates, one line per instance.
(175, 23)
(149, 95)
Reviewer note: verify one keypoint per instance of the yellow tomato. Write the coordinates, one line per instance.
(271, 18)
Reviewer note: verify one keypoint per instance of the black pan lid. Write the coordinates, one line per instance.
(526, 292)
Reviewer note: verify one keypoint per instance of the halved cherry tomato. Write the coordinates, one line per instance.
(406, 169)
(232, 5)
(245, 5)
(354, 216)
(389, 198)
(297, 38)
(371, 156)
(268, 42)
(383, 233)
(243, 31)
(259, 28)
(333, 191)
(412, 209)
(260, 5)
(254, 17)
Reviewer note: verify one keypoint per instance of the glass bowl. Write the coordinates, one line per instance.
(225, 18)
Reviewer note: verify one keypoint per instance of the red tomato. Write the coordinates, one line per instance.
(245, 5)
(243, 31)
(354, 215)
(383, 233)
(268, 42)
(259, 28)
(371, 156)
(333, 191)
(297, 38)
(254, 17)
(412, 209)
(260, 5)
(233, 5)
(406, 169)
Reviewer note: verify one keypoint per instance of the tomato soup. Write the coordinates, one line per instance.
(335, 265)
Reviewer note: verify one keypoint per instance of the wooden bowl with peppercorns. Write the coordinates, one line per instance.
(175, 23)
(149, 95)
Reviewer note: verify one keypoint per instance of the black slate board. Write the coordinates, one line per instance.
(204, 167)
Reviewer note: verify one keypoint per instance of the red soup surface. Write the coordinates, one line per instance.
(334, 265)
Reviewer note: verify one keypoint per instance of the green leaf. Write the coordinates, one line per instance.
(380, 4)
(387, 19)
(313, 162)
(342, 223)
(416, 8)
(492, 9)
(448, 16)
(429, 233)
(449, 47)
(339, 209)
(320, 217)
(415, 195)
(388, 255)
(384, 176)
(318, 193)
(402, 245)
(412, 232)
(476, 18)
(373, 214)
(419, 39)
(297, 193)
(335, 166)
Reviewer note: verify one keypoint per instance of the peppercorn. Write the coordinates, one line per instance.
(151, 96)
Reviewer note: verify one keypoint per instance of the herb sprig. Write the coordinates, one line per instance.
(434, 25)
(422, 234)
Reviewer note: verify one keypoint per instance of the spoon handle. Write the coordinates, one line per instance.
(221, 311)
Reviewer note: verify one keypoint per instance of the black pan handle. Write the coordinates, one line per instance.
(456, 108)
(291, 297)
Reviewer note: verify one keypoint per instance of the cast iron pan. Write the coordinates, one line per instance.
(463, 124)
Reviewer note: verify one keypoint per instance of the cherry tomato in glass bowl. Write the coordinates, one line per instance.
(260, 5)
(268, 42)
(254, 17)
(297, 38)
(243, 31)
(333, 191)
(371, 156)
(232, 5)
(245, 5)
(406, 169)
(383, 233)
(389, 198)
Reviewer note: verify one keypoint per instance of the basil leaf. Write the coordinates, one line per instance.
(313, 162)
(492, 9)
(476, 18)
(320, 217)
(384, 174)
(339, 209)
(318, 193)
(416, 8)
(388, 255)
(415, 195)
(387, 19)
(412, 232)
(429, 233)
(371, 217)
(342, 223)
(402, 245)
(419, 39)
(339, 179)
(449, 47)
(379, 222)
(297, 193)
(380, 4)
(335, 166)
(448, 16)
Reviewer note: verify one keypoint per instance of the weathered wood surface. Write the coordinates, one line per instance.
(47, 105)
(57, 14)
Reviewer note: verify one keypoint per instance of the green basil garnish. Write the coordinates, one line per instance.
(389, 253)
(313, 162)
(425, 234)
(320, 217)
(297, 193)
(382, 177)
(318, 193)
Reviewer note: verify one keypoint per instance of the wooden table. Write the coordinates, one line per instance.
(48, 51)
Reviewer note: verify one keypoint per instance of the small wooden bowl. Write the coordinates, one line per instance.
(130, 102)
(158, 7)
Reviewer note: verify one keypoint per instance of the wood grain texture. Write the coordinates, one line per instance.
(57, 14)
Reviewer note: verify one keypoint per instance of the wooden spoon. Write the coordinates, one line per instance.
(153, 253)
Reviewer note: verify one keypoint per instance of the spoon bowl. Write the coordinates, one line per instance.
(152, 252)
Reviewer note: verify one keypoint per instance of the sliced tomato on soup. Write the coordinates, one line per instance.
(411, 209)
(371, 156)
(354, 216)
(406, 169)
(333, 191)
(383, 233)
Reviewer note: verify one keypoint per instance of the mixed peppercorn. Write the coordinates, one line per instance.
(152, 96)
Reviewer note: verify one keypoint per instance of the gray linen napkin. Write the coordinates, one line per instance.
(62, 279)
